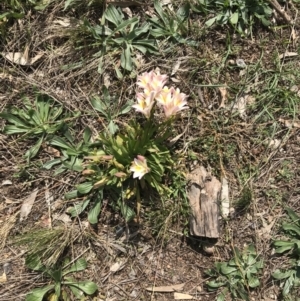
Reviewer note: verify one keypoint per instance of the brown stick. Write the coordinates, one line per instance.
(281, 12)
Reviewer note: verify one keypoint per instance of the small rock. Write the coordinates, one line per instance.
(209, 250)
(6, 182)
(241, 63)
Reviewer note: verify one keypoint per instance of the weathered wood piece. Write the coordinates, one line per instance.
(204, 195)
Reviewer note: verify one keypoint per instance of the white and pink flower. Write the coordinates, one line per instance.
(139, 167)
(154, 90)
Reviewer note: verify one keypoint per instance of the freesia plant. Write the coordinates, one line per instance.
(138, 157)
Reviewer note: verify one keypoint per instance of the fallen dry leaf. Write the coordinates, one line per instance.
(21, 58)
(64, 22)
(289, 123)
(3, 278)
(6, 182)
(225, 197)
(176, 67)
(117, 266)
(180, 296)
(52, 151)
(27, 205)
(241, 104)
(223, 93)
(127, 11)
(274, 143)
(265, 230)
(166, 289)
(288, 55)
(65, 218)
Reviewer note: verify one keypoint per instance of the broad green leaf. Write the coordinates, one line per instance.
(242, 293)
(161, 12)
(49, 164)
(222, 295)
(291, 213)
(32, 152)
(38, 294)
(87, 134)
(253, 282)
(99, 105)
(68, 3)
(124, 24)
(210, 22)
(126, 60)
(279, 275)
(60, 142)
(215, 284)
(234, 18)
(291, 227)
(12, 118)
(33, 262)
(282, 246)
(73, 164)
(289, 283)
(77, 292)
(112, 127)
(113, 15)
(251, 259)
(183, 12)
(74, 194)
(139, 31)
(96, 209)
(13, 129)
(142, 49)
(225, 269)
(85, 187)
(126, 108)
(127, 213)
(87, 287)
(79, 265)
(11, 15)
(78, 208)
(57, 288)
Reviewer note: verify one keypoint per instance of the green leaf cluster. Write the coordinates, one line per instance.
(108, 108)
(72, 153)
(115, 33)
(40, 120)
(108, 166)
(62, 282)
(171, 26)
(241, 14)
(238, 275)
(290, 277)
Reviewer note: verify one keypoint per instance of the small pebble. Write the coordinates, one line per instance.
(241, 63)
(209, 250)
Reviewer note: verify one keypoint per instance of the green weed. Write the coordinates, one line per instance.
(239, 14)
(108, 108)
(41, 120)
(63, 285)
(290, 277)
(238, 275)
(116, 34)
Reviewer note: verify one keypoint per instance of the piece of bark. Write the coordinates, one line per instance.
(204, 195)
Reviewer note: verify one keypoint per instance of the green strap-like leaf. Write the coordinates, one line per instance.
(38, 294)
(126, 60)
(96, 209)
(78, 265)
(87, 287)
(85, 187)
